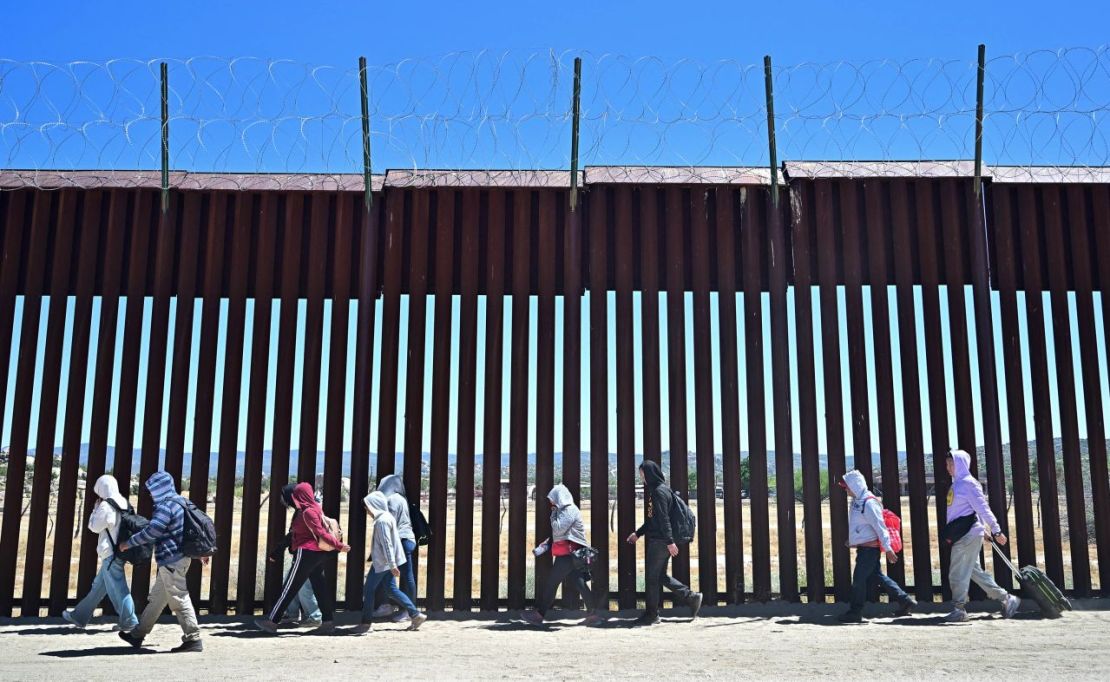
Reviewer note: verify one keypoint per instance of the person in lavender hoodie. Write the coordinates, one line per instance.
(965, 498)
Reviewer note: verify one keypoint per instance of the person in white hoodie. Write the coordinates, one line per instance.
(393, 487)
(387, 555)
(867, 532)
(111, 580)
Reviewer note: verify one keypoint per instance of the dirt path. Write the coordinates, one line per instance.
(776, 641)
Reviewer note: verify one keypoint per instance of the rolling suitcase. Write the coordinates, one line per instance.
(1035, 584)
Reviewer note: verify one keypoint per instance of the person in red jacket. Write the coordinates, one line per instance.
(307, 531)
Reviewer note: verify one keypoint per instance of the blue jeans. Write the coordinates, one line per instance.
(110, 580)
(868, 571)
(408, 581)
(385, 578)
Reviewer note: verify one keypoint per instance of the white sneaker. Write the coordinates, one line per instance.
(384, 611)
(957, 616)
(67, 616)
(1010, 606)
(417, 621)
(400, 617)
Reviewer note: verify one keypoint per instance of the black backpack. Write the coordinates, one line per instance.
(420, 527)
(130, 524)
(683, 521)
(198, 533)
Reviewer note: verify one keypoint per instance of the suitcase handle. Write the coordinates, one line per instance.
(998, 551)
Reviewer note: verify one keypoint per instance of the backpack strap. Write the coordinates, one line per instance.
(115, 540)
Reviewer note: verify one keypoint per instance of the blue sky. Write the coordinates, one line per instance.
(388, 33)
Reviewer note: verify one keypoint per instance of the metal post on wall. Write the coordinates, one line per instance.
(769, 86)
(165, 138)
(575, 118)
(980, 75)
(368, 197)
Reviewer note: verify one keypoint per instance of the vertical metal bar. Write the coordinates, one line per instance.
(364, 98)
(574, 131)
(441, 395)
(979, 77)
(675, 264)
(491, 429)
(599, 391)
(265, 229)
(801, 207)
(903, 249)
(545, 376)
(850, 226)
(572, 370)
(47, 386)
(1100, 482)
(520, 395)
(316, 267)
(461, 597)
(392, 271)
(772, 149)
(164, 73)
(648, 227)
(626, 412)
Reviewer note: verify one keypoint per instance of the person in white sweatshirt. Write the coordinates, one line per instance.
(867, 532)
(387, 555)
(111, 580)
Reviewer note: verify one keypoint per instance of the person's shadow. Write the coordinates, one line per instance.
(99, 651)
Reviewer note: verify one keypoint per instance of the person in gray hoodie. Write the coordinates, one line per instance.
(386, 556)
(968, 508)
(867, 532)
(568, 534)
(393, 487)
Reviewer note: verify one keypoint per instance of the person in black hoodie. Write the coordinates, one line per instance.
(658, 498)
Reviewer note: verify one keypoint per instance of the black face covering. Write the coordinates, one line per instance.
(653, 475)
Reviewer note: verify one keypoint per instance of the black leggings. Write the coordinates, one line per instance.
(563, 566)
(307, 565)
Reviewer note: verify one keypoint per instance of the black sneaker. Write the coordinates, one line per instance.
(189, 646)
(646, 620)
(695, 605)
(850, 617)
(136, 642)
(906, 607)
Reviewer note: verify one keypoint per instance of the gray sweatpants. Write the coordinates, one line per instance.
(170, 590)
(964, 567)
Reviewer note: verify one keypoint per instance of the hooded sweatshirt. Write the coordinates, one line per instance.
(566, 522)
(866, 527)
(167, 524)
(287, 541)
(105, 519)
(308, 522)
(386, 551)
(393, 487)
(657, 504)
(966, 497)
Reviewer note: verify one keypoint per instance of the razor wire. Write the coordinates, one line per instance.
(505, 117)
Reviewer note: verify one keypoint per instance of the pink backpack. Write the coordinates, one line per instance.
(893, 526)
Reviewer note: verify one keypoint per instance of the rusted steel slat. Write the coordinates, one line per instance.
(1079, 229)
(291, 219)
(801, 230)
(1058, 268)
(752, 228)
(395, 212)
(624, 252)
(827, 241)
(1031, 247)
(675, 264)
(596, 204)
(545, 374)
(572, 369)
(88, 251)
(851, 217)
(441, 395)
(703, 399)
(877, 224)
(901, 220)
(491, 430)
(235, 266)
(264, 242)
(461, 593)
(317, 227)
(1098, 237)
(518, 410)
(779, 267)
(649, 240)
(927, 254)
(192, 229)
(35, 258)
(58, 286)
(111, 268)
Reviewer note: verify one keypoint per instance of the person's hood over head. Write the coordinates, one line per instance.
(560, 496)
(856, 483)
(160, 485)
(303, 497)
(287, 494)
(653, 474)
(392, 484)
(962, 461)
(106, 488)
(377, 503)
